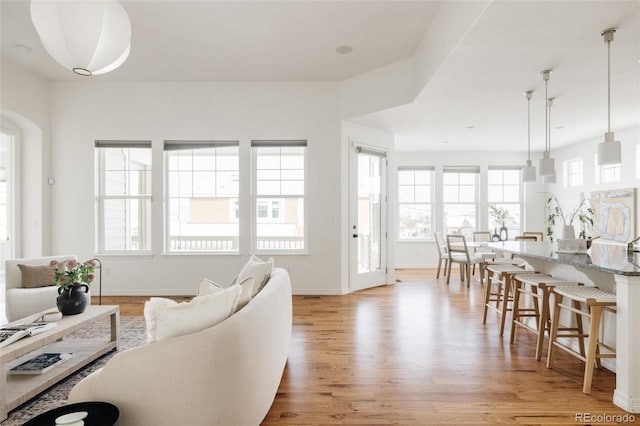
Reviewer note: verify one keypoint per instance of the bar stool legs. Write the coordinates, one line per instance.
(596, 302)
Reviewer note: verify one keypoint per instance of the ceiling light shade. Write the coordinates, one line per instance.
(549, 178)
(87, 37)
(546, 165)
(529, 173)
(609, 151)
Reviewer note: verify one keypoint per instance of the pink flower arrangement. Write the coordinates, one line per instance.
(71, 272)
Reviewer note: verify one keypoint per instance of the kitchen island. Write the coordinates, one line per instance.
(600, 263)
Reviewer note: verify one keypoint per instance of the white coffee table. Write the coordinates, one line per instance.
(15, 390)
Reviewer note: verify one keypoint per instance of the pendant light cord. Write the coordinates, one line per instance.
(547, 148)
(609, 86)
(529, 125)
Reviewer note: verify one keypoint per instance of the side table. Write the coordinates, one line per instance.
(100, 414)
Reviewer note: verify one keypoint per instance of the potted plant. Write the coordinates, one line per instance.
(73, 279)
(583, 212)
(500, 215)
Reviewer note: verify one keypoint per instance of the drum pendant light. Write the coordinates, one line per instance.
(609, 151)
(88, 37)
(546, 165)
(529, 171)
(552, 177)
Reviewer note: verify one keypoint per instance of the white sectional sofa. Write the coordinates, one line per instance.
(224, 375)
(22, 302)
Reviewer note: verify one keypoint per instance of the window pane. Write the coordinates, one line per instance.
(460, 219)
(467, 194)
(415, 221)
(468, 178)
(126, 224)
(423, 177)
(494, 193)
(512, 177)
(450, 178)
(293, 162)
(280, 224)
(511, 194)
(269, 187)
(202, 206)
(495, 177)
(450, 194)
(405, 177)
(405, 194)
(293, 175)
(423, 194)
(295, 187)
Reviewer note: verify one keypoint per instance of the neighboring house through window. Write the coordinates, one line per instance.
(279, 195)
(202, 181)
(460, 197)
(504, 191)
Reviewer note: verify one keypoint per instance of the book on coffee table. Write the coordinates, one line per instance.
(12, 333)
(41, 363)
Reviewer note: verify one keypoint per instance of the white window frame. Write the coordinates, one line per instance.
(475, 170)
(573, 172)
(101, 197)
(431, 203)
(267, 143)
(519, 184)
(189, 145)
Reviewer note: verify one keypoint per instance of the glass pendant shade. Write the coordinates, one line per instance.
(546, 165)
(87, 37)
(609, 151)
(529, 173)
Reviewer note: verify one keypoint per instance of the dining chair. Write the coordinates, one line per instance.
(443, 255)
(459, 253)
(539, 235)
(526, 238)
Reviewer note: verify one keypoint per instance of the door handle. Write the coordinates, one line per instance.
(355, 235)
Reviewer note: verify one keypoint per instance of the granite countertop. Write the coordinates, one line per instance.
(612, 258)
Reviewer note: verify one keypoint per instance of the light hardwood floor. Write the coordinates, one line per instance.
(417, 353)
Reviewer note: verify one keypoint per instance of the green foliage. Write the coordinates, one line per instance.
(71, 272)
(500, 214)
(583, 212)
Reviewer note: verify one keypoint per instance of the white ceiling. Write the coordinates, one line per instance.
(479, 83)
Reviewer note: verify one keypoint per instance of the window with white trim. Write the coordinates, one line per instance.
(279, 195)
(607, 173)
(415, 203)
(638, 161)
(123, 196)
(504, 195)
(573, 172)
(460, 196)
(202, 190)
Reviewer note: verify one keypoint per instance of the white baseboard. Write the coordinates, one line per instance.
(416, 266)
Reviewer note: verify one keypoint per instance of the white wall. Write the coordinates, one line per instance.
(83, 112)
(24, 100)
(424, 254)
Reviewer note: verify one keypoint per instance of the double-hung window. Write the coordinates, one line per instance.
(279, 195)
(415, 203)
(573, 172)
(504, 191)
(124, 196)
(202, 190)
(460, 197)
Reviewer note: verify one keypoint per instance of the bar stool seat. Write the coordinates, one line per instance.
(597, 302)
(537, 287)
(501, 274)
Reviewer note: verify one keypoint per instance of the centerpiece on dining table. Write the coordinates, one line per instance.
(73, 279)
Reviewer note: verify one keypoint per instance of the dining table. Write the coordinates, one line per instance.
(614, 267)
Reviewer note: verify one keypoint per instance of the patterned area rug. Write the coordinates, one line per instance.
(132, 334)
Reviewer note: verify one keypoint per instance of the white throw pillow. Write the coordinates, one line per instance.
(167, 318)
(247, 286)
(257, 269)
(206, 286)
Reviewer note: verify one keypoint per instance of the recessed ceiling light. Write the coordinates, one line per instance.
(559, 127)
(469, 127)
(445, 142)
(344, 49)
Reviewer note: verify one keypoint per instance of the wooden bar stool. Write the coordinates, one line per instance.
(501, 274)
(597, 301)
(537, 287)
(500, 261)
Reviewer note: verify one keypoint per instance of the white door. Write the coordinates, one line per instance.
(368, 211)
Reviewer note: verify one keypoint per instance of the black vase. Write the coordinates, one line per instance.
(74, 300)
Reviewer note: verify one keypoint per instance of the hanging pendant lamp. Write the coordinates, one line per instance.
(529, 171)
(546, 165)
(551, 178)
(609, 151)
(88, 37)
